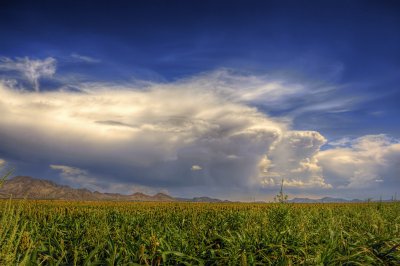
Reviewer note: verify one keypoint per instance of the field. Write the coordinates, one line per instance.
(117, 233)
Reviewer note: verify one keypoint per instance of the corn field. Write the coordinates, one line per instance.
(149, 233)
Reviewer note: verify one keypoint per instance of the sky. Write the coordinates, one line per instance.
(203, 98)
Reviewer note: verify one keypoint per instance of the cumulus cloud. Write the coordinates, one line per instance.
(198, 132)
(159, 134)
(157, 129)
(371, 161)
(293, 159)
(30, 69)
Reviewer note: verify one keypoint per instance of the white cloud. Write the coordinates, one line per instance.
(84, 58)
(340, 142)
(68, 170)
(246, 88)
(293, 159)
(80, 178)
(31, 69)
(196, 167)
(156, 134)
(162, 135)
(75, 176)
(2, 162)
(274, 94)
(366, 161)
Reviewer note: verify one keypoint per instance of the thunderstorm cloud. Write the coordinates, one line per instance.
(202, 132)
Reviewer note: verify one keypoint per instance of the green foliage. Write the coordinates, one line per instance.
(117, 233)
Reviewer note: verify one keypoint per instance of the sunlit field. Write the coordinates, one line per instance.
(117, 233)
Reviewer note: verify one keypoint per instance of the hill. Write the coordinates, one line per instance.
(32, 188)
(323, 200)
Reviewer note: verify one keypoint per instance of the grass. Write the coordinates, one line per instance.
(117, 233)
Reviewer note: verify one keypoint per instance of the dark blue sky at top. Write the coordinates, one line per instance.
(337, 42)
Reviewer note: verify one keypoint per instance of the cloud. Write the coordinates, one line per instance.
(75, 176)
(340, 142)
(84, 58)
(196, 167)
(68, 170)
(293, 159)
(2, 162)
(371, 161)
(31, 69)
(168, 129)
(263, 90)
(158, 134)
(198, 133)
(80, 178)
(284, 95)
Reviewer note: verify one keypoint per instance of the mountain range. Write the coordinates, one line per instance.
(323, 200)
(33, 188)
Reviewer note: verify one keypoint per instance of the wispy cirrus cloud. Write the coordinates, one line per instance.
(30, 69)
(84, 58)
(282, 96)
(69, 170)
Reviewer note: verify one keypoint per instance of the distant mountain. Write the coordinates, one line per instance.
(33, 188)
(302, 200)
(323, 200)
(202, 199)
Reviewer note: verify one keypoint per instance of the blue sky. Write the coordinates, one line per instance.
(332, 67)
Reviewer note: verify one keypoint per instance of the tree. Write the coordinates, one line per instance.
(281, 197)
